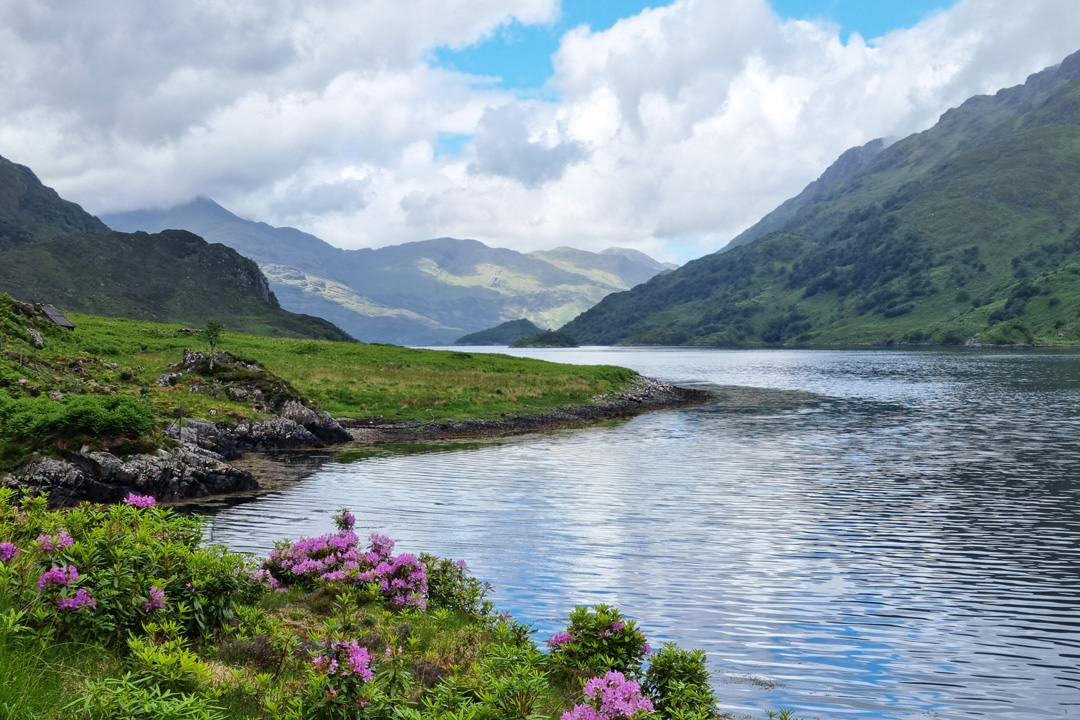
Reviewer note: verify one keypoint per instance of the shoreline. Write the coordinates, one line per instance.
(218, 460)
(274, 469)
(649, 395)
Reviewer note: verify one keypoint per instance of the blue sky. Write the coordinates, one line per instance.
(520, 56)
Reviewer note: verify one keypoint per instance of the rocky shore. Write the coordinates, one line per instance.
(200, 464)
(646, 396)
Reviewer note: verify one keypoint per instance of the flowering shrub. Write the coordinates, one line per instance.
(599, 639)
(340, 683)
(337, 558)
(611, 697)
(678, 682)
(450, 586)
(105, 568)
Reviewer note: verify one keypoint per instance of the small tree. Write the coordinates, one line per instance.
(212, 331)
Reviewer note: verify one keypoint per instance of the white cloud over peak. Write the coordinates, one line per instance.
(673, 130)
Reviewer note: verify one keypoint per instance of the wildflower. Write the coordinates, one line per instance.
(8, 551)
(57, 542)
(559, 640)
(81, 598)
(140, 501)
(56, 396)
(461, 564)
(345, 520)
(344, 658)
(645, 649)
(22, 381)
(611, 697)
(157, 599)
(616, 626)
(61, 576)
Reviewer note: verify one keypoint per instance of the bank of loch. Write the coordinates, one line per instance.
(117, 406)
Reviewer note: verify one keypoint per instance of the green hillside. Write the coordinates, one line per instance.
(169, 277)
(53, 251)
(30, 211)
(969, 231)
(502, 334)
(428, 292)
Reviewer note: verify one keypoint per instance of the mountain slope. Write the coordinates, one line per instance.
(969, 230)
(419, 293)
(30, 211)
(53, 251)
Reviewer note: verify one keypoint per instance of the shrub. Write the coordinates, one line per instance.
(452, 588)
(97, 573)
(337, 558)
(611, 697)
(678, 683)
(128, 698)
(599, 639)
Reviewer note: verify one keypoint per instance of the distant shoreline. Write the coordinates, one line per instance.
(648, 395)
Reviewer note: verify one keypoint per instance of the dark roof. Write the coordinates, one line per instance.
(57, 317)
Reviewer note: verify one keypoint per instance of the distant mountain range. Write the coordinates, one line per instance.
(967, 232)
(52, 251)
(420, 293)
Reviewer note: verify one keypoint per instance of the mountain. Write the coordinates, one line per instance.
(52, 251)
(30, 211)
(420, 293)
(969, 231)
(503, 334)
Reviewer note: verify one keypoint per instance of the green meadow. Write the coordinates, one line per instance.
(116, 358)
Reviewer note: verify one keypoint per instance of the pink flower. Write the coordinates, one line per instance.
(559, 640)
(8, 551)
(157, 599)
(22, 381)
(140, 501)
(81, 598)
(611, 697)
(58, 577)
(58, 542)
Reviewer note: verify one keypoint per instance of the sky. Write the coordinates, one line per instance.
(664, 126)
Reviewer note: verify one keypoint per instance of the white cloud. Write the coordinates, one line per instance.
(674, 129)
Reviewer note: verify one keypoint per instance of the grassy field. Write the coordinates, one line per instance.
(352, 379)
(124, 359)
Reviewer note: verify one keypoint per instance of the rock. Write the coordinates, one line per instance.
(169, 379)
(319, 423)
(189, 471)
(35, 337)
(232, 441)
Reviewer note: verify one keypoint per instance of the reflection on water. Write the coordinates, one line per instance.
(906, 546)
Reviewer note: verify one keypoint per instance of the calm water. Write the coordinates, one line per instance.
(908, 547)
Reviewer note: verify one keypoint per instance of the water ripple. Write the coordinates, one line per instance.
(909, 547)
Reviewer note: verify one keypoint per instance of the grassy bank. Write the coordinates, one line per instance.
(108, 357)
(120, 613)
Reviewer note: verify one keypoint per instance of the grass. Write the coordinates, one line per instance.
(110, 356)
(356, 380)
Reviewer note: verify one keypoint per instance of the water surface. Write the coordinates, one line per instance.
(908, 546)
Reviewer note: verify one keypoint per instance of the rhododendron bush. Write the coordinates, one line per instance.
(324, 628)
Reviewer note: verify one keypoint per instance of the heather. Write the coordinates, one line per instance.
(123, 612)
